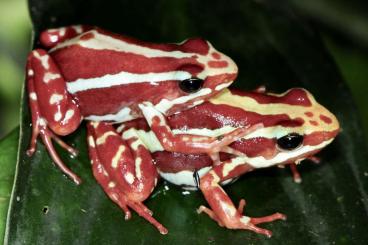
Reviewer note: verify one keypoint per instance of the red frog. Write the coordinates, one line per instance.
(88, 73)
(282, 129)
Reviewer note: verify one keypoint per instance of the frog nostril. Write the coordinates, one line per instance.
(191, 85)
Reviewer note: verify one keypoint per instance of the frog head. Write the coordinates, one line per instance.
(201, 72)
(296, 126)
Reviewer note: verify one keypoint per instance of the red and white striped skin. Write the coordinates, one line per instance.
(89, 73)
(295, 111)
(124, 168)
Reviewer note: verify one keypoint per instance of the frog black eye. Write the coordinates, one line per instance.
(290, 141)
(191, 85)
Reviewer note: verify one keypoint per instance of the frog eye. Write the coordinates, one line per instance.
(290, 141)
(191, 85)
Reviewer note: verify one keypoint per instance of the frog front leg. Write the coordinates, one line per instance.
(187, 143)
(54, 112)
(223, 209)
(294, 170)
(124, 169)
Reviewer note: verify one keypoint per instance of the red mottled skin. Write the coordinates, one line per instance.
(93, 74)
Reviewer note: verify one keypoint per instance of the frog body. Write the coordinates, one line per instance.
(294, 127)
(89, 73)
(109, 74)
(293, 112)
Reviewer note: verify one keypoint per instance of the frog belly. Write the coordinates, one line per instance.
(180, 169)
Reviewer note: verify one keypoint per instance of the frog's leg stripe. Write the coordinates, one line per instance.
(51, 37)
(223, 209)
(186, 143)
(55, 104)
(124, 168)
(103, 178)
(128, 160)
(46, 95)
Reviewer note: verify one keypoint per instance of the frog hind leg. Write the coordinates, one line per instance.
(124, 168)
(223, 210)
(53, 110)
(51, 37)
(187, 143)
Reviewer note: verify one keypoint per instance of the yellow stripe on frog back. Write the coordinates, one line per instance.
(293, 111)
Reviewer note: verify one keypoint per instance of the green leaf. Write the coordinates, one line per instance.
(272, 46)
(8, 159)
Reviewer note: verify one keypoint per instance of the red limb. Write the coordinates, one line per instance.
(187, 143)
(314, 159)
(51, 106)
(293, 167)
(296, 175)
(124, 169)
(223, 210)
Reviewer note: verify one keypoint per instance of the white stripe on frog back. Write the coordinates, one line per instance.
(123, 78)
(105, 42)
(162, 107)
(121, 116)
(266, 132)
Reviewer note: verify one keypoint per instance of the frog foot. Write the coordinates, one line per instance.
(46, 133)
(123, 201)
(223, 210)
(244, 222)
(47, 136)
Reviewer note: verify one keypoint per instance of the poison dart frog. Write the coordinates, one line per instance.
(283, 129)
(88, 73)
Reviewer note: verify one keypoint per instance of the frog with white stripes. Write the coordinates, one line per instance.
(88, 73)
(282, 129)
